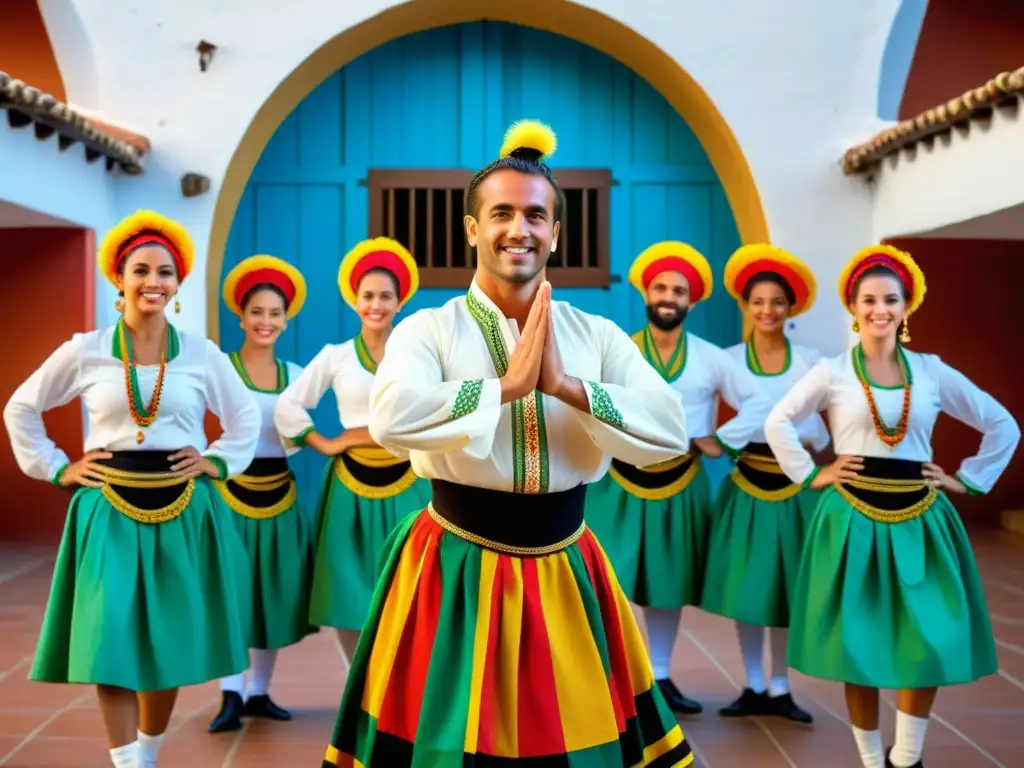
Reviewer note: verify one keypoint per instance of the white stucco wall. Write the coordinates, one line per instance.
(978, 172)
(797, 81)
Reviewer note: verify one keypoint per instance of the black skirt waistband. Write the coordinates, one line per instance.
(511, 519)
(267, 467)
(375, 477)
(894, 498)
(759, 449)
(145, 462)
(262, 467)
(652, 480)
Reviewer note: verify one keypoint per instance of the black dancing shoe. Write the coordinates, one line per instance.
(262, 706)
(888, 762)
(749, 704)
(676, 701)
(784, 706)
(230, 716)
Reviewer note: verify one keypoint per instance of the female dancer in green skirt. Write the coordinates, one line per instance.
(888, 593)
(151, 586)
(366, 490)
(760, 517)
(265, 293)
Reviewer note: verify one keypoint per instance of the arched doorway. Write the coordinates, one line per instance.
(439, 100)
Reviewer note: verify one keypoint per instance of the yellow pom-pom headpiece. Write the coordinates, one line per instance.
(140, 229)
(898, 262)
(755, 258)
(530, 134)
(673, 256)
(378, 253)
(262, 269)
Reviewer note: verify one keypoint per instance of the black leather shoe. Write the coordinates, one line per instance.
(230, 716)
(676, 701)
(888, 762)
(749, 704)
(784, 706)
(262, 706)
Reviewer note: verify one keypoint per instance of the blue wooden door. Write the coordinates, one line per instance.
(442, 99)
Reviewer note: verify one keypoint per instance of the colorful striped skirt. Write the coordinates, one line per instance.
(498, 636)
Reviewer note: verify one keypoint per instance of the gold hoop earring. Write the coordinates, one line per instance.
(856, 325)
(177, 306)
(119, 304)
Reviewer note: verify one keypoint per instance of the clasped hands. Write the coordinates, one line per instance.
(535, 363)
(848, 468)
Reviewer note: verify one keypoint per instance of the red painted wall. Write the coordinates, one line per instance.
(25, 50)
(963, 44)
(968, 320)
(48, 287)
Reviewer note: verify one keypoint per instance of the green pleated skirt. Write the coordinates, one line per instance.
(657, 546)
(473, 657)
(754, 551)
(889, 605)
(146, 606)
(279, 541)
(358, 509)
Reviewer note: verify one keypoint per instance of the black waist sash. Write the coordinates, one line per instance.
(894, 497)
(652, 480)
(375, 477)
(144, 462)
(265, 467)
(511, 519)
(756, 473)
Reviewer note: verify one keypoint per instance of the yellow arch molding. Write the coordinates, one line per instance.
(562, 17)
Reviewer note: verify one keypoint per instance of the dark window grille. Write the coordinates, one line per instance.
(423, 211)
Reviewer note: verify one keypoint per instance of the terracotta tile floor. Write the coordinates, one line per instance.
(47, 725)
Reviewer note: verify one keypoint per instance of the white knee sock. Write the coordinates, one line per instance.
(126, 756)
(348, 639)
(234, 683)
(752, 649)
(149, 748)
(662, 629)
(869, 744)
(777, 637)
(262, 670)
(910, 732)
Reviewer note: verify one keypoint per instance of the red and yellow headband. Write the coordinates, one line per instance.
(673, 256)
(257, 270)
(899, 262)
(755, 258)
(140, 229)
(378, 253)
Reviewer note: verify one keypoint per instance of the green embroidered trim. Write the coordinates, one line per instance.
(173, 342)
(300, 439)
(467, 399)
(60, 471)
(862, 372)
(731, 452)
(669, 370)
(282, 375)
(220, 464)
(363, 353)
(603, 409)
(530, 462)
(972, 490)
(754, 365)
(810, 478)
